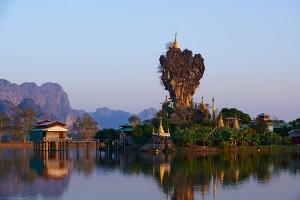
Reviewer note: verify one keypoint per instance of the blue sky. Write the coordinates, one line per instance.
(106, 53)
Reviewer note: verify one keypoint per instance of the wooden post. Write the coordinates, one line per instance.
(46, 148)
(87, 145)
(56, 146)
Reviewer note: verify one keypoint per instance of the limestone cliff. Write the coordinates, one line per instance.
(49, 96)
(181, 74)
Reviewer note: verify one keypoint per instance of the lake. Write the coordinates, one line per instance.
(82, 174)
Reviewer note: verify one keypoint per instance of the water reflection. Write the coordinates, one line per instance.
(52, 164)
(24, 173)
(190, 175)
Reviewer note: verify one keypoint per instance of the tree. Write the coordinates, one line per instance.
(295, 123)
(169, 45)
(110, 134)
(261, 125)
(4, 122)
(23, 121)
(233, 112)
(85, 127)
(134, 120)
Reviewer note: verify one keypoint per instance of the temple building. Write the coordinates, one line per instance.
(161, 131)
(125, 134)
(295, 135)
(167, 104)
(232, 122)
(203, 108)
(266, 118)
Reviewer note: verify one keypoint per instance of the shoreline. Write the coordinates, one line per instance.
(211, 149)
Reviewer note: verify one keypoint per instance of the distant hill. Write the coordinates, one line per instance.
(107, 118)
(49, 96)
(147, 114)
(50, 101)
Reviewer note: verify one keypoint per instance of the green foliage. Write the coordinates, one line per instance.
(295, 123)
(110, 134)
(142, 133)
(261, 125)
(284, 130)
(233, 112)
(134, 120)
(226, 137)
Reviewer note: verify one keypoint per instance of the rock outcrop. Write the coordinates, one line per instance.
(158, 143)
(51, 102)
(181, 74)
(40, 113)
(49, 96)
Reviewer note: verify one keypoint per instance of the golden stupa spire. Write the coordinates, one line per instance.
(202, 105)
(236, 123)
(160, 129)
(213, 109)
(221, 122)
(176, 46)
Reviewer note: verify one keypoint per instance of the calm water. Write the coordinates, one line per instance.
(82, 175)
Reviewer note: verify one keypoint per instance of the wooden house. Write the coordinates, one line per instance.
(49, 135)
(295, 135)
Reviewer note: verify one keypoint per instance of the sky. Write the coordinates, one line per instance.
(106, 53)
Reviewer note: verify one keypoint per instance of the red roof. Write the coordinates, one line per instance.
(43, 121)
(47, 124)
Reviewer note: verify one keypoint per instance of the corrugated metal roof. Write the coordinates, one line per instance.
(294, 133)
(126, 129)
(49, 124)
(127, 125)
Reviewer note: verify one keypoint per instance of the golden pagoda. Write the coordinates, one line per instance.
(176, 46)
(221, 122)
(236, 124)
(160, 129)
(202, 105)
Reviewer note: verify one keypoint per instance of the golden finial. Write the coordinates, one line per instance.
(221, 122)
(202, 105)
(166, 101)
(236, 123)
(160, 129)
(175, 42)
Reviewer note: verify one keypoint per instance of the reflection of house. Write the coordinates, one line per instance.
(295, 135)
(56, 168)
(49, 135)
(266, 118)
(51, 164)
